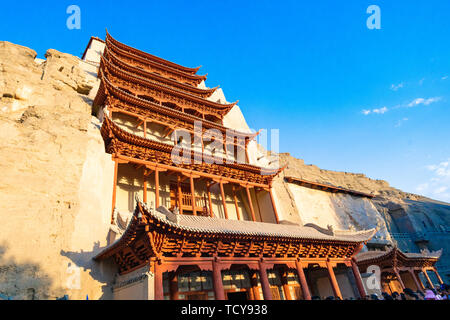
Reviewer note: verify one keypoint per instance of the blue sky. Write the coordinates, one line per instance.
(344, 97)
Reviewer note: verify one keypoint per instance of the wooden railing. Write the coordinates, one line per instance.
(201, 204)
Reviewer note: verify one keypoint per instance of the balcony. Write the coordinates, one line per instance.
(201, 203)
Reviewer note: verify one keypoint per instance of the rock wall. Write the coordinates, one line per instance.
(409, 221)
(55, 186)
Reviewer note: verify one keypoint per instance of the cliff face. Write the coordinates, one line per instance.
(342, 211)
(410, 221)
(55, 177)
(56, 186)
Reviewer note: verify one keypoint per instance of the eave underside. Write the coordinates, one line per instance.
(396, 259)
(151, 57)
(121, 143)
(149, 237)
(158, 92)
(118, 100)
(116, 61)
(152, 66)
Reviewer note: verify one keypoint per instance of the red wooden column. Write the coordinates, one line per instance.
(359, 283)
(156, 188)
(208, 190)
(247, 158)
(274, 206)
(217, 281)
(145, 128)
(284, 282)
(303, 282)
(252, 210)
(191, 179)
(416, 280)
(173, 286)
(251, 294)
(430, 283)
(416, 274)
(438, 276)
(334, 283)
(236, 204)
(255, 287)
(265, 281)
(116, 168)
(180, 195)
(158, 279)
(224, 203)
(399, 278)
(145, 186)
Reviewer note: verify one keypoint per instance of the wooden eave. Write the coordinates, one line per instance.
(210, 107)
(396, 258)
(113, 59)
(122, 53)
(151, 234)
(257, 176)
(151, 57)
(108, 89)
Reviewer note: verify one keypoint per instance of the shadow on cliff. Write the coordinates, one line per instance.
(24, 280)
(103, 271)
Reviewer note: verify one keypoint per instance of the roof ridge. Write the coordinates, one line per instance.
(230, 228)
(181, 84)
(152, 56)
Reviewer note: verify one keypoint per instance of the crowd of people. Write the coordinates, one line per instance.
(439, 293)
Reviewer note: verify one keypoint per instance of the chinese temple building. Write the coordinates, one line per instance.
(400, 270)
(191, 227)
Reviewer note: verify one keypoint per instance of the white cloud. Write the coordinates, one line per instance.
(416, 102)
(396, 87)
(438, 186)
(378, 111)
(444, 78)
(441, 170)
(426, 102)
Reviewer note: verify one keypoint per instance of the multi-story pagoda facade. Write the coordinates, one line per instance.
(205, 223)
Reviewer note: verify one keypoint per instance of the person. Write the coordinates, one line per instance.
(387, 296)
(374, 296)
(429, 295)
(444, 291)
(329, 298)
(315, 298)
(396, 296)
(420, 295)
(410, 295)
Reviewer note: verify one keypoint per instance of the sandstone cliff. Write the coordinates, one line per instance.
(56, 185)
(416, 222)
(53, 178)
